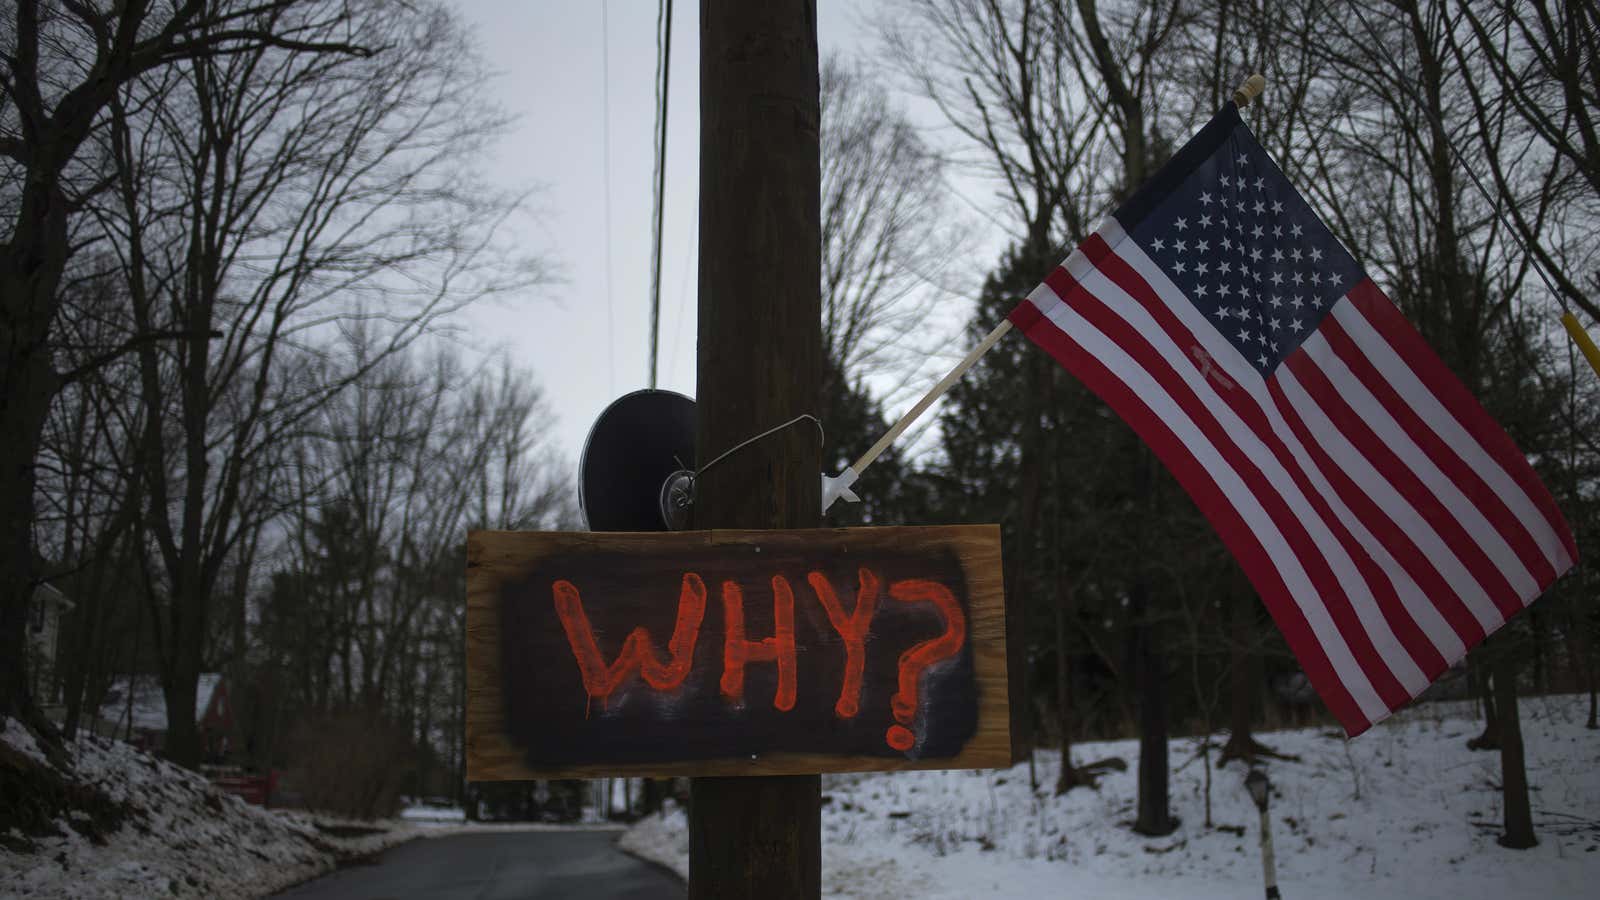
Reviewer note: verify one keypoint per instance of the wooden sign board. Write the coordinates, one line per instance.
(734, 652)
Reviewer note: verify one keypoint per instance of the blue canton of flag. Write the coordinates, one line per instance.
(1387, 521)
(1248, 252)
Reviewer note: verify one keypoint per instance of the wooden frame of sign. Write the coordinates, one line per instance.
(735, 652)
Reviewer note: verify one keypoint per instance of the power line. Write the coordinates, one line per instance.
(663, 74)
(605, 131)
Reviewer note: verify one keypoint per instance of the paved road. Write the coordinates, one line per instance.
(520, 865)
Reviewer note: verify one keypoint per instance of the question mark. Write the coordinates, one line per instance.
(923, 655)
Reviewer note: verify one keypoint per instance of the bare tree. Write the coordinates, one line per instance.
(397, 469)
(264, 199)
(889, 233)
(1535, 105)
(63, 66)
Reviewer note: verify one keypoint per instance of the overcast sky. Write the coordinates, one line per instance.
(549, 55)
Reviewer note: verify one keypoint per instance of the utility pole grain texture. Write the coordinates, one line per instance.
(759, 364)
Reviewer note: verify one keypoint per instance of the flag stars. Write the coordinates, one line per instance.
(1260, 182)
(1296, 231)
(1295, 324)
(1160, 244)
(1257, 232)
(1316, 255)
(1277, 207)
(1244, 335)
(1316, 277)
(1226, 181)
(1180, 267)
(1202, 246)
(1259, 206)
(1243, 161)
(1224, 289)
(1182, 224)
(1298, 279)
(1225, 267)
(1261, 361)
(1297, 302)
(1277, 278)
(1277, 231)
(1294, 254)
(1205, 200)
(1223, 312)
(1277, 301)
(1180, 246)
(1273, 324)
(1205, 221)
(1200, 290)
(1255, 254)
(1227, 242)
(1277, 253)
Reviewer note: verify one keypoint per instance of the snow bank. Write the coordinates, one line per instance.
(426, 812)
(1403, 811)
(179, 836)
(18, 738)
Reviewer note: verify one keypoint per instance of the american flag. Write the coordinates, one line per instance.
(1386, 520)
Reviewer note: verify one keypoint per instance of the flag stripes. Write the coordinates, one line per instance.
(1386, 521)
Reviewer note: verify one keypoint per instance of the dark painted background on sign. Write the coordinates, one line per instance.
(550, 715)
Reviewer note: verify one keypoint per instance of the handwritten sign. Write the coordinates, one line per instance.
(734, 652)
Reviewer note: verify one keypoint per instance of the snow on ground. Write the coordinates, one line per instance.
(20, 740)
(433, 813)
(1402, 811)
(180, 838)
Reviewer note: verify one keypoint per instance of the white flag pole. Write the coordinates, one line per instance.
(836, 487)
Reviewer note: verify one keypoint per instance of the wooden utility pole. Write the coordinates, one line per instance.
(760, 356)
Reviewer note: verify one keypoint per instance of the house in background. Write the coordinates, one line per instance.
(44, 635)
(135, 710)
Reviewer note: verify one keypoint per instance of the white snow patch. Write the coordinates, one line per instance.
(1403, 811)
(181, 838)
(423, 812)
(22, 741)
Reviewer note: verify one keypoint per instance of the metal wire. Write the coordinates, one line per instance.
(664, 74)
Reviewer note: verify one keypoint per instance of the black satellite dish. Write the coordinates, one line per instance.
(635, 473)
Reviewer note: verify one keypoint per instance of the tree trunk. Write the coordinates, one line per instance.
(1241, 682)
(26, 385)
(1244, 679)
(759, 365)
(1070, 776)
(1513, 774)
(1155, 819)
(1480, 677)
(183, 733)
(31, 263)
